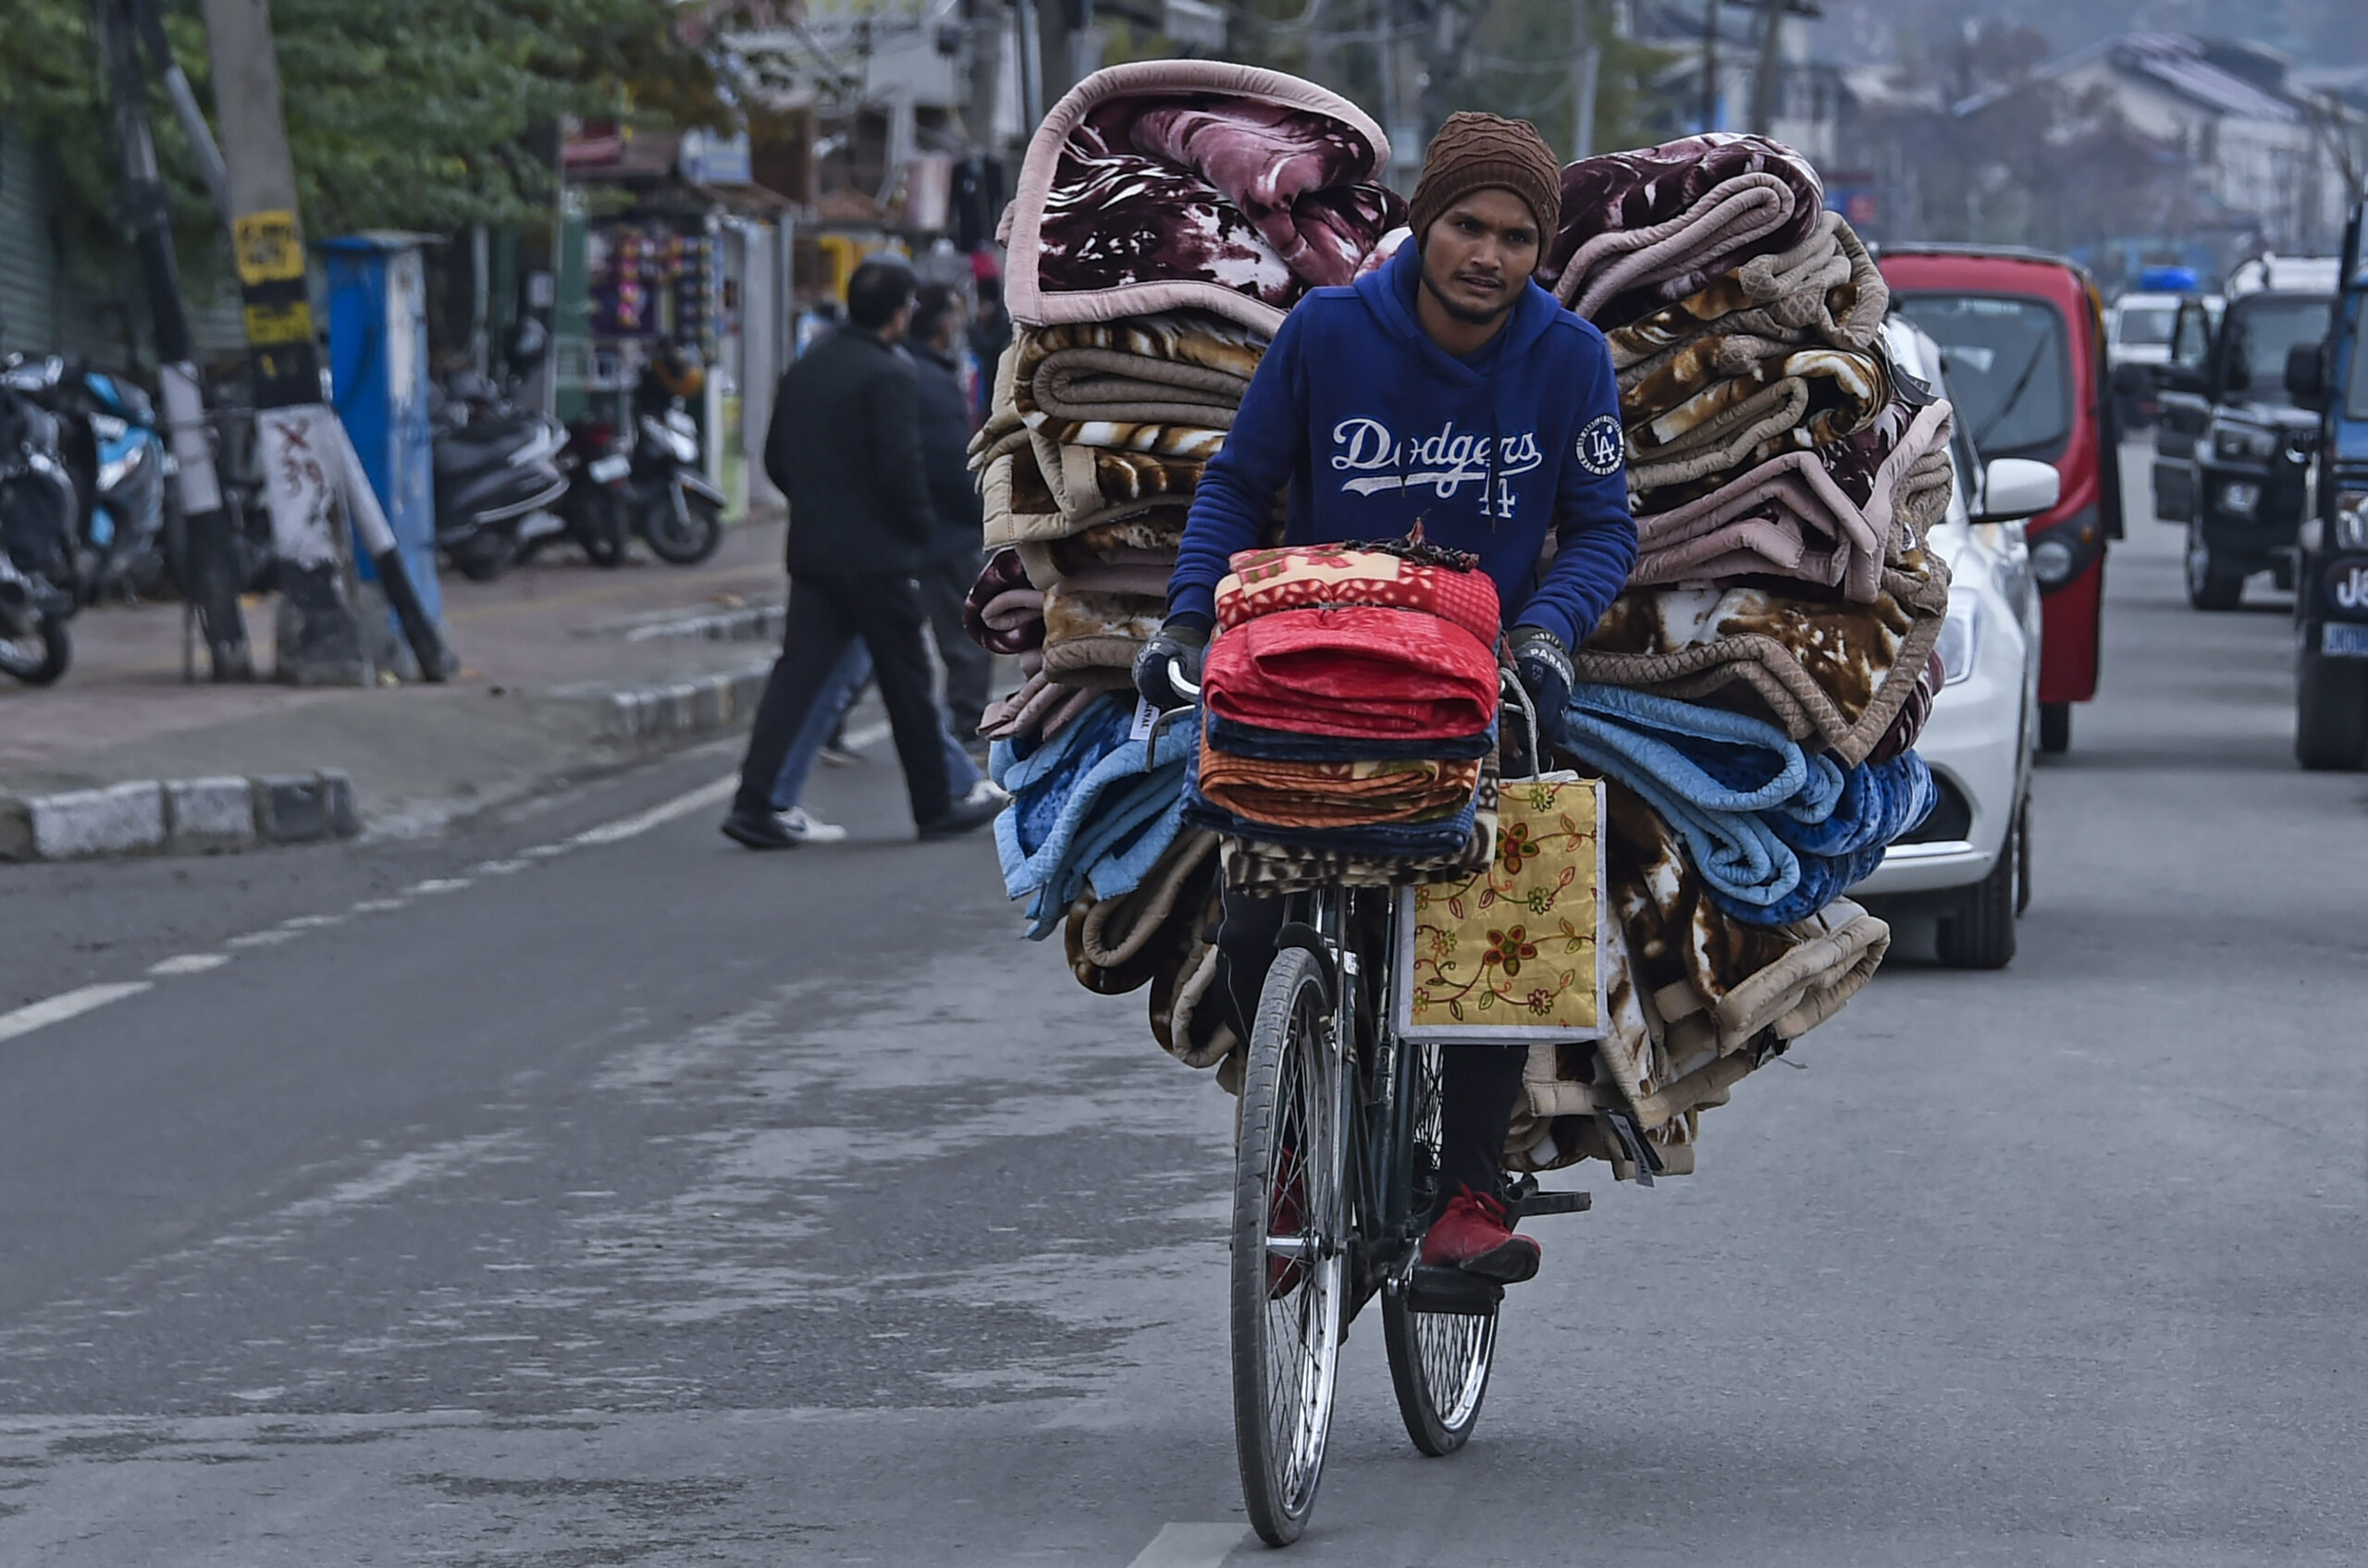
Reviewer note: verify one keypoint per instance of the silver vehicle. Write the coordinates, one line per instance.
(1969, 862)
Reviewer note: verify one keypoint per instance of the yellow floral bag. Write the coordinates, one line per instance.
(1508, 956)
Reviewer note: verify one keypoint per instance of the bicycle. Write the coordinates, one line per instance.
(1335, 1178)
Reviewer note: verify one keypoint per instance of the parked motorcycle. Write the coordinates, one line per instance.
(674, 507)
(497, 478)
(108, 440)
(597, 507)
(38, 508)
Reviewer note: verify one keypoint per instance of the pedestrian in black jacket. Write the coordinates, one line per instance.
(845, 448)
(934, 342)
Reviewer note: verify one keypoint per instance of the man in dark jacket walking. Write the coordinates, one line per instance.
(844, 447)
(934, 342)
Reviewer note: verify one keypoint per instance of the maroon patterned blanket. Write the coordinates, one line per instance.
(1171, 183)
(1642, 229)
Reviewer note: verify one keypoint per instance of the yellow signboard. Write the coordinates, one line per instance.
(270, 248)
(289, 323)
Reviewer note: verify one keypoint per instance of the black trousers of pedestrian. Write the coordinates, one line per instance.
(944, 586)
(825, 614)
(1479, 1085)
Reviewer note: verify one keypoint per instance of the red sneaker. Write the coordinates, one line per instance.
(1471, 1235)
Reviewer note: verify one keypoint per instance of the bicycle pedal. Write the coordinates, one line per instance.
(1451, 1291)
(1538, 1203)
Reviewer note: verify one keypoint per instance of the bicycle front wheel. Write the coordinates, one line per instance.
(1442, 1337)
(1290, 1245)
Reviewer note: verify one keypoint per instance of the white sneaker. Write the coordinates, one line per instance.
(986, 792)
(811, 829)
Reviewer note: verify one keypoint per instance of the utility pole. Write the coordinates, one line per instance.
(1709, 65)
(208, 568)
(306, 459)
(989, 21)
(1586, 65)
(1060, 23)
(1768, 80)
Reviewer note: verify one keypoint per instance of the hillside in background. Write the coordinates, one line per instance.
(2313, 31)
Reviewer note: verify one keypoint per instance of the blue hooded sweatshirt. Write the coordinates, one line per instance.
(1373, 425)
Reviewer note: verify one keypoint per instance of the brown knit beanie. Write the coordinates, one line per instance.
(1477, 151)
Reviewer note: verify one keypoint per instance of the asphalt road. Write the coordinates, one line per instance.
(650, 1202)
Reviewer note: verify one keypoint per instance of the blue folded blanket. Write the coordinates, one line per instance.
(1658, 747)
(1089, 804)
(1287, 745)
(1889, 798)
(1777, 834)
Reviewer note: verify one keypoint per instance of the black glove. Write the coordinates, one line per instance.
(1543, 666)
(1182, 641)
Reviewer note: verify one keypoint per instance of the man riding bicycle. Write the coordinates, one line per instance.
(1449, 389)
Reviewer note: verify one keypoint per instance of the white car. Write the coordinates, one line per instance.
(1969, 863)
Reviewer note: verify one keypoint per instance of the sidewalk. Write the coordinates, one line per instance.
(566, 669)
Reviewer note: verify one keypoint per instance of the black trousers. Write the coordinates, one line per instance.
(825, 614)
(967, 666)
(1479, 1085)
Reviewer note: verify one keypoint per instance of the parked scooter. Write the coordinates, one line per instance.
(108, 440)
(37, 518)
(674, 507)
(597, 507)
(497, 472)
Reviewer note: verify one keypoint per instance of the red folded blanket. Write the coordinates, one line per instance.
(1265, 581)
(1361, 673)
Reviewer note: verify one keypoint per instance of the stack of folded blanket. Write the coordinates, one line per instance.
(1754, 695)
(1351, 708)
(1168, 213)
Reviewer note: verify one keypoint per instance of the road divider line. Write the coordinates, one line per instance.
(66, 1004)
(1191, 1546)
(437, 884)
(271, 938)
(658, 815)
(188, 963)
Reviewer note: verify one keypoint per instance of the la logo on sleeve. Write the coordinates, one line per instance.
(1598, 449)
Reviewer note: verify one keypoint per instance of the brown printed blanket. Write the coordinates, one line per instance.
(1103, 631)
(1825, 290)
(1657, 224)
(1184, 368)
(1824, 669)
(1703, 402)
(1092, 487)
(1833, 516)
(1698, 1001)
(1163, 184)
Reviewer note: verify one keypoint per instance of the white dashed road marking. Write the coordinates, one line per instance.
(699, 800)
(188, 963)
(74, 1003)
(1191, 1546)
(66, 1004)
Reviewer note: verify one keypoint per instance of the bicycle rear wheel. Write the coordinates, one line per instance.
(1289, 1240)
(1438, 1360)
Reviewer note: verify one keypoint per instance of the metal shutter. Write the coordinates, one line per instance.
(28, 251)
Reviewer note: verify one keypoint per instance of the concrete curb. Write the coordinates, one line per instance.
(676, 711)
(208, 816)
(753, 623)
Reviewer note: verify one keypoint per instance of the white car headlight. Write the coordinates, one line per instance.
(1960, 642)
(2352, 520)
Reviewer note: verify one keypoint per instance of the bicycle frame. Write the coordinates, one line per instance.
(1376, 1087)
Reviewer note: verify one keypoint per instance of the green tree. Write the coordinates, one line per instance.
(410, 114)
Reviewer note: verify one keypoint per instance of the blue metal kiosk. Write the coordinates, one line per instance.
(378, 371)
